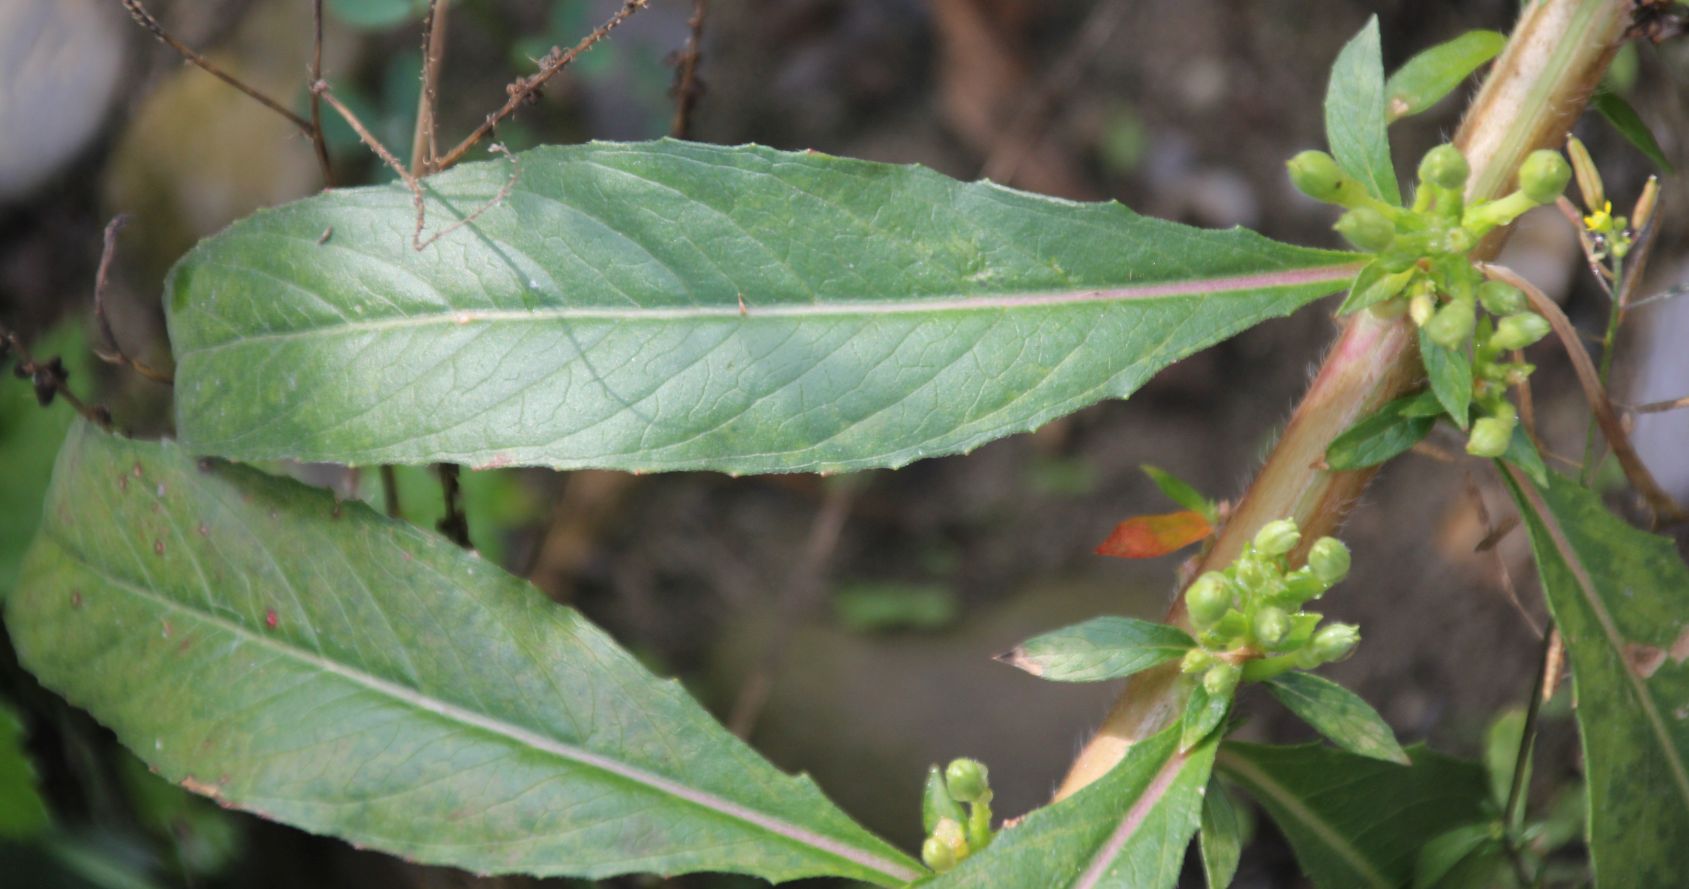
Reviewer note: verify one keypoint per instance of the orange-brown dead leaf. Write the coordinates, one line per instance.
(1148, 536)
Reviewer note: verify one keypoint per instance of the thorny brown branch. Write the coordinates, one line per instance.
(50, 379)
(526, 89)
(145, 19)
(113, 352)
(687, 87)
(412, 183)
(1665, 509)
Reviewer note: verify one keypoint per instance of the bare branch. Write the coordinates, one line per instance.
(687, 87)
(144, 18)
(455, 525)
(1659, 407)
(424, 147)
(318, 143)
(1635, 470)
(526, 89)
(113, 352)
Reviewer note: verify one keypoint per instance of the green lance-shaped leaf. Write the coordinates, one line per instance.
(1183, 493)
(1127, 830)
(1098, 649)
(1339, 714)
(677, 306)
(1429, 76)
(1356, 822)
(1620, 598)
(1221, 840)
(1355, 123)
(1394, 429)
(1450, 375)
(317, 663)
(1618, 114)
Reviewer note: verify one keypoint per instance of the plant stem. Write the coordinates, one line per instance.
(1537, 88)
(1605, 369)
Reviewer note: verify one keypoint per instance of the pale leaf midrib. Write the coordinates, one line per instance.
(1264, 282)
(513, 733)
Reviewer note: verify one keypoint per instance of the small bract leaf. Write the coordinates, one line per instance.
(1149, 536)
(1182, 492)
(1356, 822)
(1434, 73)
(1378, 438)
(1203, 714)
(1372, 286)
(1616, 111)
(1099, 649)
(1355, 124)
(1339, 714)
(1221, 839)
(1450, 375)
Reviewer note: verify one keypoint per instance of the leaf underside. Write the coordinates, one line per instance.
(324, 666)
(1127, 830)
(667, 305)
(1102, 648)
(1620, 598)
(1355, 822)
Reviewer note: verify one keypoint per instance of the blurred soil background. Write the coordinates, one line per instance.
(845, 626)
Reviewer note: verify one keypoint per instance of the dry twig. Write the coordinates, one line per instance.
(526, 89)
(145, 19)
(687, 86)
(412, 183)
(113, 352)
(318, 142)
(424, 147)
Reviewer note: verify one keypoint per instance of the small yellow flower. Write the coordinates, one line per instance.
(1601, 220)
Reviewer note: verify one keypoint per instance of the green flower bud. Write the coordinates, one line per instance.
(1490, 436)
(1221, 679)
(937, 855)
(1366, 228)
(968, 781)
(1457, 240)
(1196, 660)
(936, 802)
(1543, 175)
(1451, 325)
(1316, 174)
(1421, 307)
(1301, 585)
(1251, 571)
(1208, 599)
(1272, 624)
(1335, 642)
(1277, 537)
(1501, 298)
(1329, 560)
(1445, 167)
(1518, 331)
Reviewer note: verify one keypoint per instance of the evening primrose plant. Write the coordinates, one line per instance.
(677, 306)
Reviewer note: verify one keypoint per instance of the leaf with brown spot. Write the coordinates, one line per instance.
(1619, 596)
(1149, 536)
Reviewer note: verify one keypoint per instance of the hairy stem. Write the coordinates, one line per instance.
(1537, 88)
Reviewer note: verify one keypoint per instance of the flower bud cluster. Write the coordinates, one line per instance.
(953, 834)
(1421, 266)
(1249, 618)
